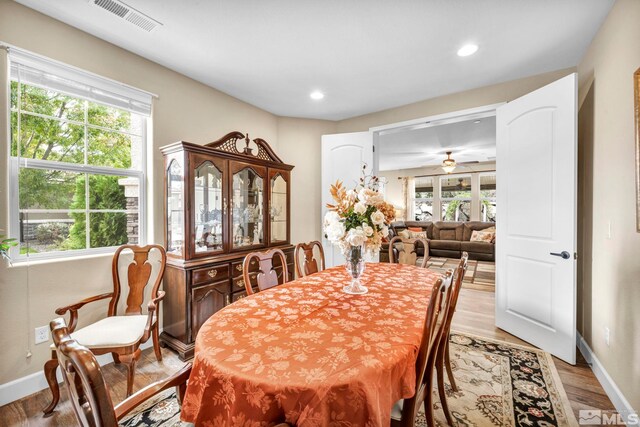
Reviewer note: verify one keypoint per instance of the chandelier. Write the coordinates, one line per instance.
(448, 164)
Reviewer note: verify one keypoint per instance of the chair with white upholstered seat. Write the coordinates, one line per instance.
(120, 335)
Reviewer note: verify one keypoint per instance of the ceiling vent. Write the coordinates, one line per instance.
(128, 13)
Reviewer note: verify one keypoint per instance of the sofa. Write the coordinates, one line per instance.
(447, 239)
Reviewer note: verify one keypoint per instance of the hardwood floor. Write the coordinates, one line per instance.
(475, 315)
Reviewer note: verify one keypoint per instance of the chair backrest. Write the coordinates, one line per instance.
(406, 249)
(81, 373)
(267, 275)
(310, 264)
(133, 265)
(458, 277)
(433, 326)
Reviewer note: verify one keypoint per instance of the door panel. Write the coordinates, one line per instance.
(343, 156)
(536, 192)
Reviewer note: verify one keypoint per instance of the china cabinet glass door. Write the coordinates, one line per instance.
(175, 208)
(247, 188)
(278, 209)
(209, 204)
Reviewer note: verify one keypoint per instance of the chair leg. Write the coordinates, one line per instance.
(130, 361)
(441, 393)
(447, 365)
(50, 374)
(428, 399)
(156, 343)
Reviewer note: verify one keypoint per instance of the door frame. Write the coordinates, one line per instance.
(429, 121)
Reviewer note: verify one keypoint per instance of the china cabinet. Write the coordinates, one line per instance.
(223, 200)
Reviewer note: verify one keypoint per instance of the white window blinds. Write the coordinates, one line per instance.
(37, 70)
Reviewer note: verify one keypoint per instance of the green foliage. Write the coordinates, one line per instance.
(353, 220)
(106, 228)
(62, 138)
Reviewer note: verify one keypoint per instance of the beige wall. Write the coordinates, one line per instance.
(610, 288)
(299, 143)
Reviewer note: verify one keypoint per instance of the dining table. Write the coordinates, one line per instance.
(308, 354)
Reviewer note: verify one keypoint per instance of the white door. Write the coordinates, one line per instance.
(343, 156)
(536, 227)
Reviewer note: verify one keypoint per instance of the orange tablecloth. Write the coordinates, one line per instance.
(309, 354)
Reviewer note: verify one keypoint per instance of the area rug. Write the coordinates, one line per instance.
(481, 275)
(499, 384)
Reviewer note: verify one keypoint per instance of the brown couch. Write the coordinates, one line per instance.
(446, 239)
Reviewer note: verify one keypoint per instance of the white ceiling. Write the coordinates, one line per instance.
(365, 56)
(468, 141)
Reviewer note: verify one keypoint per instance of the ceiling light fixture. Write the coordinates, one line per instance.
(477, 122)
(448, 164)
(317, 95)
(468, 49)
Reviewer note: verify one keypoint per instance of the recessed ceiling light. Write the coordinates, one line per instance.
(316, 94)
(468, 49)
(477, 121)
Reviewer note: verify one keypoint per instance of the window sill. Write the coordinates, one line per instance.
(22, 263)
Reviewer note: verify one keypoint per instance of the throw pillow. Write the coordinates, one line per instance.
(482, 236)
(416, 229)
(404, 234)
(491, 230)
(417, 234)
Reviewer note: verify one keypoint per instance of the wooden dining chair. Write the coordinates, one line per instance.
(120, 335)
(404, 251)
(310, 264)
(267, 276)
(404, 412)
(88, 392)
(442, 357)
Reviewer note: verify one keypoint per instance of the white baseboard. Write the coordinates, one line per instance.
(25, 386)
(621, 404)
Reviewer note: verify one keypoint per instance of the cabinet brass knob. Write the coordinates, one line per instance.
(239, 267)
(240, 283)
(212, 273)
(227, 299)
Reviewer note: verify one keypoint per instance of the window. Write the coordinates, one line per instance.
(488, 197)
(423, 201)
(455, 197)
(77, 160)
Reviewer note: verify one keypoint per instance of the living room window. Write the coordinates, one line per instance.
(77, 160)
(488, 197)
(455, 198)
(423, 201)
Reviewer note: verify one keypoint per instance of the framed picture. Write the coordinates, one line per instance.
(636, 97)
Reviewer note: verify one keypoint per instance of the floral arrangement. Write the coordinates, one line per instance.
(358, 217)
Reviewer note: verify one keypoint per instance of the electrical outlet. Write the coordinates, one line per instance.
(607, 335)
(42, 334)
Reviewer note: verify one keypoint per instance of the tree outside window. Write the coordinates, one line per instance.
(455, 196)
(78, 173)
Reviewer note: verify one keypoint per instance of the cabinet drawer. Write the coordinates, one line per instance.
(210, 274)
(236, 269)
(238, 284)
(206, 300)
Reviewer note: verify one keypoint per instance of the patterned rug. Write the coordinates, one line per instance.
(481, 275)
(499, 384)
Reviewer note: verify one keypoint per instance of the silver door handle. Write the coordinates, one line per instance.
(563, 254)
